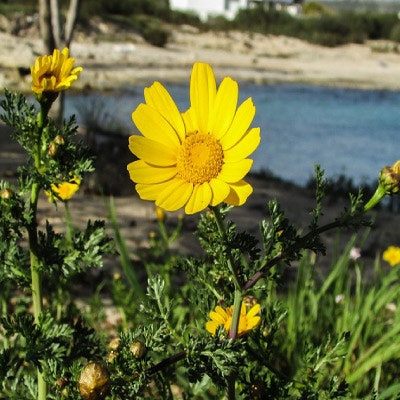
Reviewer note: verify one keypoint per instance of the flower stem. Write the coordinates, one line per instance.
(221, 229)
(33, 250)
(237, 303)
(375, 199)
(69, 224)
(36, 280)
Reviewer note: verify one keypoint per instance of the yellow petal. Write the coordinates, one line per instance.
(239, 193)
(252, 322)
(158, 97)
(152, 152)
(203, 90)
(141, 172)
(240, 124)
(211, 327)
(150, 191)
(154, 126)
(254, 310)
(221, 116)
(200, 198)
(234, 172)
(189, 118)
(221, 311)
(218, 318)
(175, 195)
(244, 147)
(220, 190)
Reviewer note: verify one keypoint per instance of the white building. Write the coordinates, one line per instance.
(228, 8)
(210, 8)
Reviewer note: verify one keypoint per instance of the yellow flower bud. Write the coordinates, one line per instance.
(52, 150)
(389, 183)
(114, 344)
(111, 356)
(250, 301)
(389, 178)
(5, 194)
(94, 381)
(161, 215)
(138, 349)
(59, 140)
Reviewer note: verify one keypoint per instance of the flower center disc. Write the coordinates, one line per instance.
(200, 158)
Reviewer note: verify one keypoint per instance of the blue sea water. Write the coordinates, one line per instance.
(346, 131)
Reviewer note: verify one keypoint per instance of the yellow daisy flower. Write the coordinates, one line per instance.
(54, 73)
(392, 255)
(223, 317)
(64, 190)
(197, 158)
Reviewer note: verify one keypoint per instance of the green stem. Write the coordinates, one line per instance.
(36, 280)
(233, 331)
(375, 199)
(237, 303)
(36, 283)
(164, 234)
(221, 229)
(68, 221)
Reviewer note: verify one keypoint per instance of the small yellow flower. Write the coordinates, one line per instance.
(54, 73)
(197, 158)
(64, 190)
(392, 255)
(223, 317)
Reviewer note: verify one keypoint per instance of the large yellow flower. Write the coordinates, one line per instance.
(197, 158)
(392, 255)
(54, 73)
(64, 190)
(223, 317)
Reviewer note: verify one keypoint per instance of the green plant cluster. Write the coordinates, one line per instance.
(322, 334)
(325, 28)
(147, 17)
(39, 263)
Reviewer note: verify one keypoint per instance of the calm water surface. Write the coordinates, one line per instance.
(347, 131)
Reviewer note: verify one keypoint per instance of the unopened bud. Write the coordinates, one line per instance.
(389, 183)
(250, 301)
(138, 349)
(114, 344)
(52, 150)
(111, 356)
(62, 382)
(161, 215)
(59, 140)
(389, 178)
(6, 194)
(94, 381)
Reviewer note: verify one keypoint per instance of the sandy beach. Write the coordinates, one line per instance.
(245, 57)
(128, 59)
